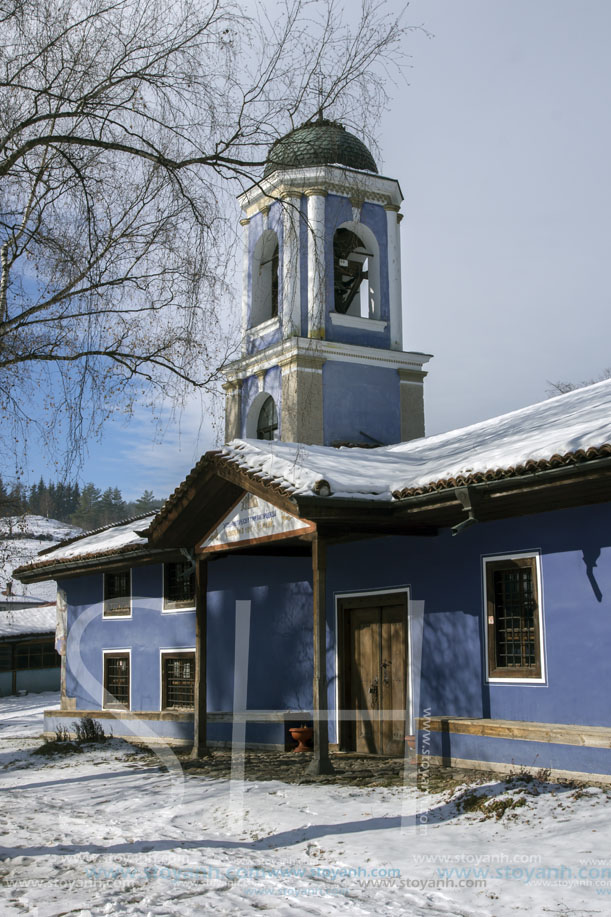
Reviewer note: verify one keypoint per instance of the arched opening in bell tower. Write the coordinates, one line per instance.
(265, 278)
(262, 418)
(355, 271)
(267, 422)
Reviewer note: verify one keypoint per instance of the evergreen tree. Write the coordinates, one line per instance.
(35, 497)
(4, 499)
(88, 511)
(147, 503)
(119, 505)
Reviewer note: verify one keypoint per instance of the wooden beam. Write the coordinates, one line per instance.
(200, 748)
(320, 763)
(550, 733)
(266, 492)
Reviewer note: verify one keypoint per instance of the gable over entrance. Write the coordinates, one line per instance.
(251, 521)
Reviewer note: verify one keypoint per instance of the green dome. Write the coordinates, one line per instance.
(319, 143)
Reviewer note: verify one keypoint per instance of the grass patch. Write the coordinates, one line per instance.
(53, 747)
(488, 807)
(86, 730)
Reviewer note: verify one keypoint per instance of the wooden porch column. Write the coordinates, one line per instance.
(320, 763)
(200, 748)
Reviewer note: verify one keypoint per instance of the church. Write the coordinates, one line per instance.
(332, 565)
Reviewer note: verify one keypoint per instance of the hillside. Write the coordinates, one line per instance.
(21, 538)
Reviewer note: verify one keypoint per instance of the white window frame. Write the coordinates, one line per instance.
(114, 651)
(170, 651)
(121, 617)
(519, 680)
(166, 610)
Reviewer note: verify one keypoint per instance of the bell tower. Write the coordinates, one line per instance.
(322, 341)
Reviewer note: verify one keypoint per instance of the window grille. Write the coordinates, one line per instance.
(116, 679)
(179, 680)
(117, 593)
(179, 585)
(514, 641)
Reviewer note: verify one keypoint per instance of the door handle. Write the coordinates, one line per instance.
(373, 693)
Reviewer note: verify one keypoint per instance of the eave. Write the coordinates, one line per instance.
(193, 512)
(104, 562)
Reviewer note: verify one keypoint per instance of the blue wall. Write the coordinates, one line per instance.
(280, 657)
(145, 633)
(32, 680)
(444, 573)
(360, 398)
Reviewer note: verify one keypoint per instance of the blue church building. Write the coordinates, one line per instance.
(331, 564)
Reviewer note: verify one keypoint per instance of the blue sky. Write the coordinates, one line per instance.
(502, 144)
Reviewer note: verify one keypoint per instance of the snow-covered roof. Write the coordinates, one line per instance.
(110, 538)
(27, 621)
(117, 537)
(567, 428)
(564, 430)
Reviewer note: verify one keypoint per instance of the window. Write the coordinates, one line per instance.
(178, 585)
(178, 680)
(116, 680)
(265, 260)
(117, 594)
(267, 423)
(39, 655)
(513, 618)
(6, 657)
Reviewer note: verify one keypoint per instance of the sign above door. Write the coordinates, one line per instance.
(253, 520)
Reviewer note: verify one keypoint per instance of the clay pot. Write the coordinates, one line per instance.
(301, 735)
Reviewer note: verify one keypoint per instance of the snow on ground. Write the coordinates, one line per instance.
(109, 831)
(21, 538)
(22, 716)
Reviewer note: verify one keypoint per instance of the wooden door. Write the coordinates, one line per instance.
(374, 673)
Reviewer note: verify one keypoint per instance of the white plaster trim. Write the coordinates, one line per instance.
(165, 652)
(291, 368)
(516, 555)
(270, 324)
(118, 649)
(332, 178)
(357, 321)
(410, 687)
(326, 350)
(394, 280)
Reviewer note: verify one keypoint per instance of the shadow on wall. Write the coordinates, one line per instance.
(451, 665)
(281, 651)
(590, 559)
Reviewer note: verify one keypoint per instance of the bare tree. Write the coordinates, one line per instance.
(561, 388)
(126, 128)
